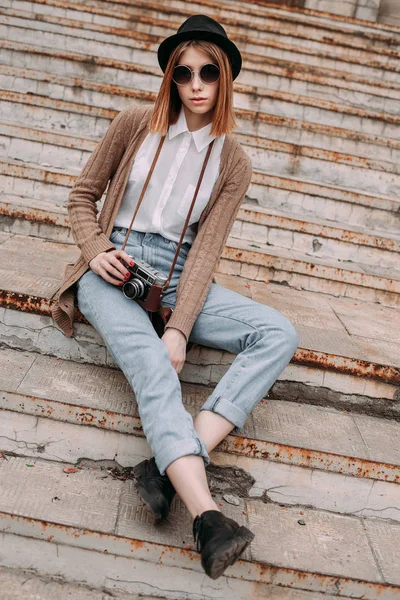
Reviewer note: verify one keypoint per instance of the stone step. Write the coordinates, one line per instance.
(90, 526)
(62, 394)
(23, 185)
(132, 49)
(255, 129)
(318, 378)
(301, 121)
(358, 281)
(348, 356)
(101, 400)
(316, 237)
(247, 34)
(269, 26)
(17, 584)
(307, 198)
(282, 158)
(281, 104)
(342, 15)
(45, 148)
(375, 34)
(38, 218)
(269, 80)
(317, 26)
(41, 144)
(36, 182)
(268, 227)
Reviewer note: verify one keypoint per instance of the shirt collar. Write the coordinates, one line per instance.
(201, 137)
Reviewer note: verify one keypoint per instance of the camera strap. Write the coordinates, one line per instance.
(186, 224)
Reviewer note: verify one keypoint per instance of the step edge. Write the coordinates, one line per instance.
(28, 303)
(253, 571)
(234, 444)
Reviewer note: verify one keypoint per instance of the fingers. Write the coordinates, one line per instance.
(105, 274)
(116, 267)
(114, 274)
(109, 266)
(126, 257)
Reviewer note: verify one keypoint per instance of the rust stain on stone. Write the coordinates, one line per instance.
(39, 216)
(351, 366)
(338, 463)
(24, 302)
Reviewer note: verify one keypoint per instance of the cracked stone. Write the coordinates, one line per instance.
(229, 480)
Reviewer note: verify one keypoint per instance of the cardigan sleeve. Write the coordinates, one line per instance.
(207, 248)
(91, 184)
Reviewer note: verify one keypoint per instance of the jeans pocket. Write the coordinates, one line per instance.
(184, 251)
(117, 236)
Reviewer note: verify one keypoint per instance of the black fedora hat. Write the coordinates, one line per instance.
(201, 27)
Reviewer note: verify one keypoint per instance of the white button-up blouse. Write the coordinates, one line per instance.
(172, 185)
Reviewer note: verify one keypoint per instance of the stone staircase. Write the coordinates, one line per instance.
(316, 471)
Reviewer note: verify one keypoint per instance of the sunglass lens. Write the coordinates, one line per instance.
(182, 74)
(209, 73)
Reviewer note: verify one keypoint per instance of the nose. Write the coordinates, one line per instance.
(197, 84)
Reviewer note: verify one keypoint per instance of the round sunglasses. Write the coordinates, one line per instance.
(182, 75)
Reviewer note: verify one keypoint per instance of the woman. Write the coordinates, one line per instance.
(194, 108)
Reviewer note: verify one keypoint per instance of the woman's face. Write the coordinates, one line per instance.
(195, 59)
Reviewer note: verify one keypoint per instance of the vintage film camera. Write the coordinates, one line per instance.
(145, 285)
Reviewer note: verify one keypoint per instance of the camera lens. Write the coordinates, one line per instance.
(133, 289)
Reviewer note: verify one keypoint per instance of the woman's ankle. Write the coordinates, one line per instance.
(188, 476)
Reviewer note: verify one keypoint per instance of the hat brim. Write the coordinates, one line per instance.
(170, 43)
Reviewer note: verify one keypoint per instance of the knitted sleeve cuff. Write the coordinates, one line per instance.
(94, 246)
(183, 322)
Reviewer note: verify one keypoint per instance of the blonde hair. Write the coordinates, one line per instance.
(168, 103)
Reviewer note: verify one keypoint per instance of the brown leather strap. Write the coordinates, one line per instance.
(144, 190)
(186, 224)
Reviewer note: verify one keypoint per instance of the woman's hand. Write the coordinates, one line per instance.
(109, 266)
(176, 344)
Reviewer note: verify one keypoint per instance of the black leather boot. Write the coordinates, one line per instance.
(156, 490)
(220, 540)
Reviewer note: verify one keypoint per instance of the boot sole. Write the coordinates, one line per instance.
(228, 553)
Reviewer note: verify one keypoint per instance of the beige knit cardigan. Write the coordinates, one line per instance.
(111, 162)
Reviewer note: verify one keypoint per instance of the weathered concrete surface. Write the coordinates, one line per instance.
(69, 394)
(64, 501)
(41, 277)
(269, 481)
(363, 282)
(324, 127)
(321, 55)
(126, 573)
(353, 91)
(288, 485)
(27, 585)
(280, 115)
(357, 9)
(316, 237)
(320, 542)
(326, 387)
(333, 167)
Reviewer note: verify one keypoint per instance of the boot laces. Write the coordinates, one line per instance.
(197, 531)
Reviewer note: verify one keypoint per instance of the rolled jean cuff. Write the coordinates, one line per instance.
(226, 409)
(182, 448)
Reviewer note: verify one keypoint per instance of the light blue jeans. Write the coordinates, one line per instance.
(261, 337)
